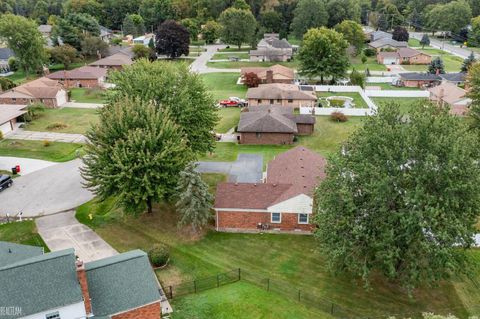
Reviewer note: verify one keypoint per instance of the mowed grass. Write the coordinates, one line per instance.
(406, 104)
(55, 151)
(224, 85)
(66, 120)
(85, 95)
(229, 117)
(452, 63)
(24, 233)
(244, 64)
(226, 55)
(294, 260)
(236, 49)
(241, 300)
(357, 98)
(371, 64)
(389, 86)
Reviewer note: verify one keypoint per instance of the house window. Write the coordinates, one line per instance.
(303, 218)
(271, 101)
(259, 101)
(276, 218)
(290, 101)
(14, 99)
(53, 315)
(258, 135)
(279, 101)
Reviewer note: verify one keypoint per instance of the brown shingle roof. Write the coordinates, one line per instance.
(278, 91)
(118, 59)
(81, 73)
(9, 112)
(42, 88)
(448, 92)
(266, 122)
(279, 72)
(408, 52)
(248, 196)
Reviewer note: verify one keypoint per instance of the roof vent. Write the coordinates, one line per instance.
(9, 251)
(274, 185)
(236, 184)
(255, 184)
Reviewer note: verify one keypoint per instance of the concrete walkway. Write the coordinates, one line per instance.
(27, 165)
(62, 231)
(200, 63)
(83, 105)
(21, 134)
(248, 168)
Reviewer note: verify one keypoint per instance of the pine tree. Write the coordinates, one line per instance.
(195, 201)
(436, 66)
(425, 41)
(468, 62)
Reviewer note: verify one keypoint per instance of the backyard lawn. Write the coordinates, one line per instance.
(224, 85)
(452, 63)
(55, 151)
(85, 95)
(245, 64)
(22, 233)
(226, 55)
(371, 64)
(66, 120)
(357, 98)
(236, 49)
(389, 86)
(405, 104)
(229, 117)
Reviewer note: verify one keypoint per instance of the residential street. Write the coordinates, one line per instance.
(200, 63)
(47, 191)
(27, 165)
(463, 53)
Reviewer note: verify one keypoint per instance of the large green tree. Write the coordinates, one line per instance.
(133, 24)
(271, 21)
(353, 33)
(323, 54)
(452, 16)
(40, 12)
(155, 12)
(238, 26)
(211, 31)
(474, 34)
(340, 10)
(473, 83)
(23, 38)
(91, 7)
(135, 153)
(308, 14)
(174, 87)
(401, 197)
(64, 54)
(194, 203)
(93, 46)
(172, 39)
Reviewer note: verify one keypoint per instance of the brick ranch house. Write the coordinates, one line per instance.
(420, 80)
(283, 203)
(273, 125)
(116, 61)
(85, 76)
(9, 115)
(403, 56)
(43, 90)
(450, 95)
(274, 74)
(56, 285)
(281, 94)
(387, 43)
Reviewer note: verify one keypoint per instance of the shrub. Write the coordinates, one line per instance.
(13, 64)
(338, 117)
(34, 110)
(1, 135)
(56, 126)
(46, 143)
(369, 52)
(336, 103)
(251, 80)
(116, 41)
(6, 84)
(364, 58)
(158, 255)
(357, 78)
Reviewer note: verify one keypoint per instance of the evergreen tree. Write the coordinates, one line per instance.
(468, 62)
(135, 153)
(425, 41)
(194, 200)
(436, 66)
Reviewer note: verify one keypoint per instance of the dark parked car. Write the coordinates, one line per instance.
(5, 182)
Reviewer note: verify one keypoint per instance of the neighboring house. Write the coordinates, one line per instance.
(116, 61)
(5, 54)
(272, 48)
(273, 125)
(56, 285)
(448, 94)
(281, 94)
(283, 203)
(274, 74)
(144, 39)
(85, 76)
(377, 35)
(387, 43)
(8, 117)
(106, 34)
(420, 80)
(454, 78)
(403, 56)
(114, 49)
(43, 90)
(46, 31)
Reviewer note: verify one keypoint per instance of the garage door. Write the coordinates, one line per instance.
(61, 98)
(5, 128)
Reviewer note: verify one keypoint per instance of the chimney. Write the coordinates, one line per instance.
(269, 76)
(82, 279)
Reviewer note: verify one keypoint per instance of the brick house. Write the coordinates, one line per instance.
(85, 76)
(274, 74)
(272, 48)
(42, 90)
(283, 203)
(56, 285)
(387, 43)
(420, 80)
(290, 95)
(9, 115)
(450, 95)
(403, 56)
(116, 61)
(273, 125)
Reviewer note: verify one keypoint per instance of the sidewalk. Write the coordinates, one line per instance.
(21, 134)
(83, 105)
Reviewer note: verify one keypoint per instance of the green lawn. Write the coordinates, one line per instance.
(226, 55)
(357, 98)
(224, 85)
(22, 233)
(241, 300)
(55, 152)
(452, 64)
(371, 64)
(245, 64)
(414, 42)
(235, 49)
(86, 95)
(389, 86)
(19, 77)
(229, 118)
(66, 120)
(405, 104)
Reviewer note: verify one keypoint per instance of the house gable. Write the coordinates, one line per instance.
(299, 204)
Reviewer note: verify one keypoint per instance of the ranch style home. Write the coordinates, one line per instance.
(283, 203)
(55, 285)
(9, 115)
(116, 61)
(85, 76)
(290, 95)
(46, 91)
(274, 74)
(403, 56)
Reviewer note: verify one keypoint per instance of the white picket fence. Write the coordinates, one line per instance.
(330, 110)
(397, 93)
(381, 79)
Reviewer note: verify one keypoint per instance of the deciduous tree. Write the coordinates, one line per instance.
(251, 80)
(473, 83)
(135, 153)
(94, 46)
(400, 34)
(211, 31)
(401, 197)
(155, 12)
(194, 202)
(133, 24)
(308, 14)
(238, 26)
(271, 21)
(193, 27)
(172, 39)
(64, 54)
(353, 33)
(140, 51)
(341, 10)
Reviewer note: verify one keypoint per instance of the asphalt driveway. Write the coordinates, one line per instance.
(248, 168)
(47, 191)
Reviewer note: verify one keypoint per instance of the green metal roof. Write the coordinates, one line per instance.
(11, 253)
(40, 283)
(121, 282)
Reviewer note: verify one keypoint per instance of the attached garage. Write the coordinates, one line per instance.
(8, 116)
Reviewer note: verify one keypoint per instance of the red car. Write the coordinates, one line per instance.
(232, 101)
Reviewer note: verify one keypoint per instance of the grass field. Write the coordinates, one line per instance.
(244, 64)
(235, 49)
(357, 98)
(405, 104)
(224, 85)
(22, 233)
(66, 120)
(371, 64)
(389, 86)
(55, 152)
(452, 63)
(226, 55)
(84, 95)
(229, 118)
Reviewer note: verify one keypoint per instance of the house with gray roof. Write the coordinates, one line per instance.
(272, 48)
(273, 125)
(419, 79)
(454, 78)
(377, 35)
(57, 285)
(386, 44)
